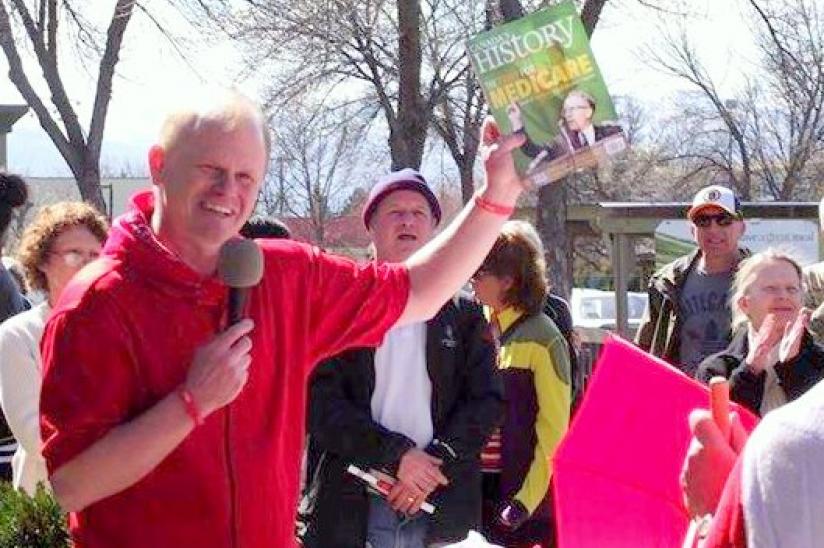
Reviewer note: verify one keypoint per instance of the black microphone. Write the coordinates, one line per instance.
(240, 266)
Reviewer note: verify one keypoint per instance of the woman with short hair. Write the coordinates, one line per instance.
(62, 239)
(772, 358)
(534, 365)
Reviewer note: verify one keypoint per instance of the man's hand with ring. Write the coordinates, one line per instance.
(406, 499)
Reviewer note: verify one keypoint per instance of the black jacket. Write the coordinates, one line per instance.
(557, 308)
(660, 329)
(466, 405)
(747, 388)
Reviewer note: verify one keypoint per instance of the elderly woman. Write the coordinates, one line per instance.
(534, 366)
(62, 238)
(772, 358)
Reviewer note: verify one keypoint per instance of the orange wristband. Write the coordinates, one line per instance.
(190, 405)
(492, 207)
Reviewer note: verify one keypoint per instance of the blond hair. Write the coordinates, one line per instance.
(227, 108)
(747, 274)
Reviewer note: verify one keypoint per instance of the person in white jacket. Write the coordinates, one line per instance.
(62, 239)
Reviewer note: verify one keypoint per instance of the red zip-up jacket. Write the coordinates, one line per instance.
(122, 337)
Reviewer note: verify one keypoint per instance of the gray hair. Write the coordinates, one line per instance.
(748, 273)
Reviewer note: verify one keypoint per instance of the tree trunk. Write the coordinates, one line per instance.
(88, 182)
(591, 13)
(467, 180)
(511, 9)
(407, 134)
(551, 217)
(81, 153)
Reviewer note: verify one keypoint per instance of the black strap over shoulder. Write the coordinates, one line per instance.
(507, 334)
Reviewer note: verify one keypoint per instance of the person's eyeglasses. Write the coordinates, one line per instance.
(721, 219)
(576, 107)
(76, 258)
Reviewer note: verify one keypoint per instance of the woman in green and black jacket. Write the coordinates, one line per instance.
(534, 364)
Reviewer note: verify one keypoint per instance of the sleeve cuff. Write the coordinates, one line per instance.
(442, 450)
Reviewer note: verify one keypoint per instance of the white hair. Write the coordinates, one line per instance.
(747, 274)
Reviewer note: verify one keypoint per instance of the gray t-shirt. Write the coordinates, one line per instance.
(705, 317)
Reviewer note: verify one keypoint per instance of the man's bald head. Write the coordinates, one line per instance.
(207, 170)
(227, 109)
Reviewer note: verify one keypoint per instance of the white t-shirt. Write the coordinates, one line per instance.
(402, 398)
(783, 476)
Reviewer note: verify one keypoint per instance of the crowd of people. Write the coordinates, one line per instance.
(425, 391)
(724, 312)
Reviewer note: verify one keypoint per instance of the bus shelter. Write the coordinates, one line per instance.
(623, 223)
(9, 114)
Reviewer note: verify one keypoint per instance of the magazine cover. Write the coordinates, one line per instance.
(539, 77)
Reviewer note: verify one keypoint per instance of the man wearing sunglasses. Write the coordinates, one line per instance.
(688, 315)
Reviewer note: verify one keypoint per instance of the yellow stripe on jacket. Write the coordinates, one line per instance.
(539, 348)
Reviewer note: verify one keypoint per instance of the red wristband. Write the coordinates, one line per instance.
(492, 207)
(190, 405)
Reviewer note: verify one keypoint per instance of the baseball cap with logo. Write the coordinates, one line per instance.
(715, 196)
(405, 179)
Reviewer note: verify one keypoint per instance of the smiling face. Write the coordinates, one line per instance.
(402, 224)
(715, 240)
(207, 182)
(776, 289)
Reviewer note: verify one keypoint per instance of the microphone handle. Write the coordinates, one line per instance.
(237, 300)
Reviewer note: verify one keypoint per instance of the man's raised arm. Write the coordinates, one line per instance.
(441, 267)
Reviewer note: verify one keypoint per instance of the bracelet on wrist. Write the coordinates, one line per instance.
(191, 407)
(492, 207)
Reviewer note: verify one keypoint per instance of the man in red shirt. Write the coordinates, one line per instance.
(163, 427)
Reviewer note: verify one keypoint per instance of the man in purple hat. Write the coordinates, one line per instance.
(418, 408)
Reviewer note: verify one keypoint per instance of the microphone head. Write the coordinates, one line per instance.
(240, 263)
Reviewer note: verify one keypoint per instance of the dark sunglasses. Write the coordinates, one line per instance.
(721, 219)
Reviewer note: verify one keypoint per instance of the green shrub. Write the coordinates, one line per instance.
(31, 522)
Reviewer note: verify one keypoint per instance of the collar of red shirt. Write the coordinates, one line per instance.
(132, 241)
